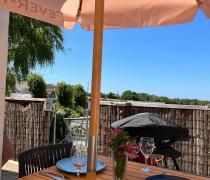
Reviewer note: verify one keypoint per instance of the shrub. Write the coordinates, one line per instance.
(112, 95)
(37, 85)
(80, 110)
(65, 94)
(80, 96)
(129, 95)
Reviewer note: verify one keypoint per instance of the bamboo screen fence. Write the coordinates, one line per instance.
(27, 124)
(195, 153)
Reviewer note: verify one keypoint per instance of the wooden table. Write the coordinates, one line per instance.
(133, 172)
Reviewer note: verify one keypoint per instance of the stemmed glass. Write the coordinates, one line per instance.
(146, 146)
(78, 155)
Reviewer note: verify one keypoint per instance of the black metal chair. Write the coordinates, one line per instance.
(36, 159)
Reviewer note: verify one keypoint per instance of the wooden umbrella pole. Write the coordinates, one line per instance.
(95, 89)
(4, 21)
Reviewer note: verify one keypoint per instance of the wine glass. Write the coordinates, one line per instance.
(146, 146)
(78, 155)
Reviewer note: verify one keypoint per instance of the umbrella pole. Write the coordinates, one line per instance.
(95, 89)
(4, 21)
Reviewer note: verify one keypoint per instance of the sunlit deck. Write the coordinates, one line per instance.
(10, 170)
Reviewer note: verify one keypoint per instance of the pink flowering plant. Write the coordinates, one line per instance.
(123, 147)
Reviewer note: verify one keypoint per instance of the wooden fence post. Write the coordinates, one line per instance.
(4, 22)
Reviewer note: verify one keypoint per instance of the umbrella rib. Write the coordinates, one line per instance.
(79, 9)
(200, 2)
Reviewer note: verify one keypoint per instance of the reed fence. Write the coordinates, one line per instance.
(195, 152)
(27, 124)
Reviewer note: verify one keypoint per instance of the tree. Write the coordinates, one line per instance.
(37, 85)
(32, 43)
(129, 95)
(103, 95)
(143, 97)
(112, 95)
(11, 80)
(80, 96)
(65, 94)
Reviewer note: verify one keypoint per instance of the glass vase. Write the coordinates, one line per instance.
(119, 164)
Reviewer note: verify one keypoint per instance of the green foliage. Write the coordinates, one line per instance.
(65, 94)
(103, 95)
(61, 113)
(11, 80)
(80, 96)
(32, 43)
(112, 95)
(80, 110)
(71, 100)
(129, 95)
(37, 85)
(64, 112)
(143, 97)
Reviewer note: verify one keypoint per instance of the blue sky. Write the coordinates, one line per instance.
(171, 61)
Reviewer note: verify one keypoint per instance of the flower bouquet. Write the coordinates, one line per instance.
(123, 148)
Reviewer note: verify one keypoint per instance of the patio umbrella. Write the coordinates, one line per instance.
(118, 14)
(152, 125)
(164, 132)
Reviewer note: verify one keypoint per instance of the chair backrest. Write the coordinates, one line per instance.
(36, 159)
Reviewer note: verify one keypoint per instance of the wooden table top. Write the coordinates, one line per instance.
(133, 172)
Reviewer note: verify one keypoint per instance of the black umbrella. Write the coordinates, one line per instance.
(152, 125)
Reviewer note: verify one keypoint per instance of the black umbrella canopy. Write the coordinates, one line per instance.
(152, 125)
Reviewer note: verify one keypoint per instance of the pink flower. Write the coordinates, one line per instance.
(116, 132)
(132, 156)
(122, 145)
(120, 142)
(109, 142)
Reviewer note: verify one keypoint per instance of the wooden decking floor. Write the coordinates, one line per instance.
(10, 170)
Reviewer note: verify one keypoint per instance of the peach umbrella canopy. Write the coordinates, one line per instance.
(117, 13)
(61, 13)
(139, 13)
